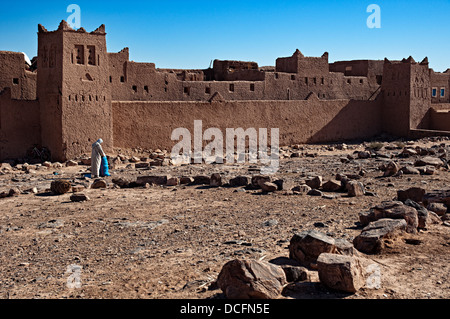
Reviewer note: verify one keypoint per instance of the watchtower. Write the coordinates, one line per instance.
(73, 90)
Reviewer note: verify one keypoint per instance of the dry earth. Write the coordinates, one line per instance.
(171, 242)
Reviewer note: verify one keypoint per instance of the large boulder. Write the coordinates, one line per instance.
(342, 273)
(306, 247)
(414, 193)
(251, 279)
(371, 239)
(392, 210)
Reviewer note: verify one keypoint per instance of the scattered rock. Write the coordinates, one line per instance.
(71, 163)
(410, 170)
(414, 193)
(268, 187)
(99, 183)
(257, 180)
(371, 239)
(392, 210)
(342, 273)
(391, 169)
(429, 160)
(314, 192)
(186, 180)
(315, 183)
(355, 188)
(251, 279)
(302, 189)
(239, 181)
(332, 186)
(60, 187)
(215, 180)
(173, 181)
(439, 208)
(79, 197)
(201, 180)
(152, 180)
(306, 247)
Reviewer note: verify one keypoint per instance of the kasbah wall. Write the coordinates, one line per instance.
(75, 92)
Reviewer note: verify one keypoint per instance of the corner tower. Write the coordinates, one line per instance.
(406, 96)
(73, 90)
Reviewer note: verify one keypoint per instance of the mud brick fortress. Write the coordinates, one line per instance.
(76, 92)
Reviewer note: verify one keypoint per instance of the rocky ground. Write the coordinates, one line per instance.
(167, 242)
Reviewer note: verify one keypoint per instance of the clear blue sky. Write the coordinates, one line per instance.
(189, 34)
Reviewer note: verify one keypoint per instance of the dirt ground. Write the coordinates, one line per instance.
(163, 242)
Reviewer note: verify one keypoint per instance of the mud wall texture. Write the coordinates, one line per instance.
(19, 126)
(440, 120)
(150, 124)
(14, 75)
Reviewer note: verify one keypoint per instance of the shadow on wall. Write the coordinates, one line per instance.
(358, 119)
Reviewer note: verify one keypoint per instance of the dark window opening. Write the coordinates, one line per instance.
(91, 54)
(146, 89)
(187, 90)
(252, 87)
(379, 79)
(349, 81)
(293, 77)
(15, 81)
(79, 54)
(110, 79)
(306, 80)
(135, 88)
(231, 87)
(122, 79)
(207, 90)
(434, 92)
(442, 92)
(315, 80)
(361, 81)
(276, 75)
(322, 81)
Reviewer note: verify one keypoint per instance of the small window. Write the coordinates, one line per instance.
(434, 92)
(146, 89)
(349, 81)
(322, 81)
(315, 80)
(91, 54)
(122, 79)
(306, 80)
(187, 90)
(361, 81)
(110, 79)
(15, 81)
(442, 92)
(231, 87)
(207, 90)
(293, 77)
(276, 75)
(252, 87)
(135, 88)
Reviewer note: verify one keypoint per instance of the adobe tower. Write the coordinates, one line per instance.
(73, 85)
